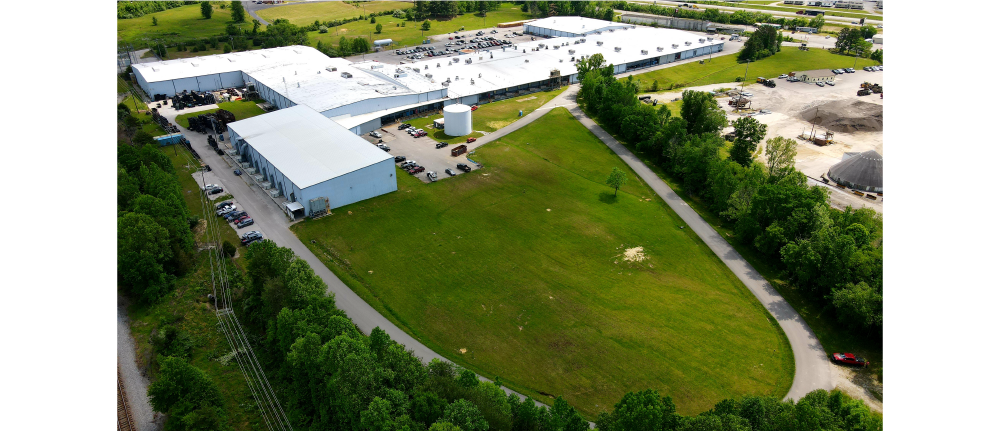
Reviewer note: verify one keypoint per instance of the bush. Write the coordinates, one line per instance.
(228, 249)
(226, 49)
(373, 20)
(323, 29)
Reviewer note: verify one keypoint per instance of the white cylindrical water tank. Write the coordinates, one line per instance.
(457, 120)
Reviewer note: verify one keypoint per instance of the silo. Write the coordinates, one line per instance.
(457, 120)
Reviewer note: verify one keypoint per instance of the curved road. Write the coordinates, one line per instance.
(812, 367)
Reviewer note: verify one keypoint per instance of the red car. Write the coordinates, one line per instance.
(471, 139)
(475, 107)
(850, 359)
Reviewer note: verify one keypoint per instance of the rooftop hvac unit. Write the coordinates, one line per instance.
(468, 61)
(400, 75)
(231, 152)
(572, 51)
(687, 43)
(428, 76)
(572, 59)
(245, 164)
(659, 48)
(674, 45)
(346, 75)
(525, 60)
(251, 170)
(399, 70)
(472, 81)
(274, 193)
(644, 52)
(425, 67)
(701, 40)
(618, 49)
(711, 38)
(258, 177)
(560, 60)
(439, 64)
(599, 43)
(445, 84)
(556, 47)
(331, 69)
(265, 185)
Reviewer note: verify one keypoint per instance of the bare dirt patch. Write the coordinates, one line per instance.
(859, 384)
(845, 116)
(634, 254)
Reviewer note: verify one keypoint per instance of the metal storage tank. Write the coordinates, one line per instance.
(457, 120)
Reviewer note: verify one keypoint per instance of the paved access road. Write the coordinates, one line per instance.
(812, 367)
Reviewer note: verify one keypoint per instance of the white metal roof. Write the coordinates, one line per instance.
(509, 68)
(578, 25)
(221, 63)
(305, 146)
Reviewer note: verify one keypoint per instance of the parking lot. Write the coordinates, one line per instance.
(212, 178)
(421, 150)
(440, 43)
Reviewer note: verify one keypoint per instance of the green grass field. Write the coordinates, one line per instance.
(765, 6)
(517, 271)
(490, 117)
(241, 109)
(411, 34)
(725, 69)
(820, 318)
(307, 13)
(181, 23)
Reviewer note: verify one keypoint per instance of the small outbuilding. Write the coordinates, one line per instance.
(818, 75)
(859, 171)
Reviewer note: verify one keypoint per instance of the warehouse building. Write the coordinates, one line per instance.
(564, 26)
(670, 22)
(859, 171)
(364, 96)
(817, 75)
(214, 72)
(314, 163)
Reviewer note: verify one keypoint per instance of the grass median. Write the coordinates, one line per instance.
(242, 109)
(526, 270)
(725, 69)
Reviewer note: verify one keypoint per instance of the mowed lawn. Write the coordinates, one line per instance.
(517, 271)
(490, 117)
(242, 109)
(411, 34)
(181, 23)
(307, 13)
(725, 69)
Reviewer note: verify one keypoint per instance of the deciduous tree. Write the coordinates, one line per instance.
(749, 133)
(206, 9)
(617, 179)
(236, 11)
(780, 152)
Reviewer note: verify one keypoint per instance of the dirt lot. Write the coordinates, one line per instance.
(856, 122)
(422, 151)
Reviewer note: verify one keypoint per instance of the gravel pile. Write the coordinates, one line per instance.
(845, 116)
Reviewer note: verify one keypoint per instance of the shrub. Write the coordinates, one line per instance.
(323, 29)
(226, 48)
(228, 248)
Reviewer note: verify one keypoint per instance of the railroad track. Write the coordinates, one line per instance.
(124, 417)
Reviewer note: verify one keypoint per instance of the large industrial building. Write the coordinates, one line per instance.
(314, 163)
(570, 26)
(364, 96)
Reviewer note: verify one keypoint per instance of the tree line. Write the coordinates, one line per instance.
(135, 9)
(834, 257)
(588, 9)
(154, 225)
(446, 9)
(744, 17)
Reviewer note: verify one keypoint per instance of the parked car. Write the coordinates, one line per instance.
(399, 159)
(782, 76)
(249, 234)
(375, 134)
(450, 172)
(244, 223)
(464, 167)
(224, 210)
(214, 191)
(433, 176)
(829, 83)
(235, 216)
(237, 172)
(850, 359)
(441, 145)
(470, 139)
(210, 186)
(820, 84)
(747, 94)
(850, 70)
(419, 134)
(415, 170)
(474, 107)
(220, 205)
(208, 168)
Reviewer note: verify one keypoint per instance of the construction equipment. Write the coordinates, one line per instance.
(864, 92)
(739, 102)
(766, 82)
(803, 47)
(875, 88)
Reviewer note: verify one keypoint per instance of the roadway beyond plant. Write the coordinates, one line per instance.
(531, 270)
